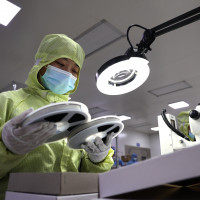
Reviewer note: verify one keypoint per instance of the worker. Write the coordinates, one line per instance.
(184, 126)
(54, 76)
(134, 159)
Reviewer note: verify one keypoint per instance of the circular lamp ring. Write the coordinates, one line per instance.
(66, 116)
(101, 127)
(122, 74)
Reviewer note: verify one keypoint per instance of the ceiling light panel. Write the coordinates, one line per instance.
(7, 11)
(170, 88)
(124, 117)
(155, 128)
(177, 105)
(98, 36)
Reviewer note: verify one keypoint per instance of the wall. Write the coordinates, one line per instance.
(130, 137)
(155, 144)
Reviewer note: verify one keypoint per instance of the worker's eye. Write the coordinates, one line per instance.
(60, 64)
(75, 71)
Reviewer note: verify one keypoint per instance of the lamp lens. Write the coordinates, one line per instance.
(123, 77)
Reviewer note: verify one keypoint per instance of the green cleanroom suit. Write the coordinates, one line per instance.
(49, 157)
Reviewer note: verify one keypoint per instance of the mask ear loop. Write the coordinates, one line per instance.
(76, 83)
(39, 76)
(77, 80)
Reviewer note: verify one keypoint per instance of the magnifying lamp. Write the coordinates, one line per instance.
(127, 72)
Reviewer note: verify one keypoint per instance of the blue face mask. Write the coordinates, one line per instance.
(58, 80)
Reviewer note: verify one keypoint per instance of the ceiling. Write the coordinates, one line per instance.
(174, 56)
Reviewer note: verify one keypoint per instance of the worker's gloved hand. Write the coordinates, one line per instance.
(21, 140)
(98, 150)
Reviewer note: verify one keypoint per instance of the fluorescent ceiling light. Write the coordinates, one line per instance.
(124, 117)
(7, 11)
(98, 36)
(170, 88)
(177, 105)
(155, 128)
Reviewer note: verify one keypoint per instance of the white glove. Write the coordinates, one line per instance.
(98, 150)
(21, 140)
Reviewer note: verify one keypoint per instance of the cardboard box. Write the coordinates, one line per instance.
(28, 196)
(69, 183)
(172, 175)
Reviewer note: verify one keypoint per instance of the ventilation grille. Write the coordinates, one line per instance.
(98, 36)
(182, 85)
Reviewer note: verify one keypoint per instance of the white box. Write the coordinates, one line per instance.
(151, 178)
(68, 183)
(27, 196)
